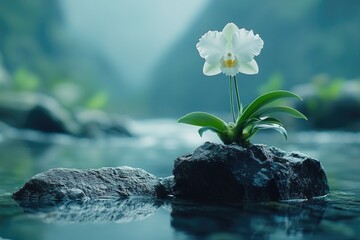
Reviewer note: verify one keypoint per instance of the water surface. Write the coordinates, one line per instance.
(156, 146)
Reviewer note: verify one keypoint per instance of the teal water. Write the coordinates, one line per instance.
(156, 146)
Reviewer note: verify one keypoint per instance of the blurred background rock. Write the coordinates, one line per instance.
(138, 59)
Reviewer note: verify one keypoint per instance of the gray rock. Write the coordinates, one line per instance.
(259, 173)
(58, 185)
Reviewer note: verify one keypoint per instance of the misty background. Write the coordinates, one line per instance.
(138, 58)
(100, 83)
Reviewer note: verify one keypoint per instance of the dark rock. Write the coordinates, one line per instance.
(330, 104)
(166, 187)
(42, 113)
(259, 173)
(38, 112)
(97, 124)
(41, 119)
(57, 185)
(95, 210)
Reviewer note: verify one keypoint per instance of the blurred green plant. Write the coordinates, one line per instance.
(98, 101)
(232, 51)
(276, 81)
(24, 80)
(39, 54)
(328, 89)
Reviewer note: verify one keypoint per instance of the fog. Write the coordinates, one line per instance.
(133, 35)
(138, 58)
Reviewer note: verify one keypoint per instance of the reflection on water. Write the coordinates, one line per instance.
(158, 143)
(269, 220)
(95, 210)
(193, 218)
(254, 221)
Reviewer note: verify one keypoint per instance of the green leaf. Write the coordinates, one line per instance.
(204, 119)
(270, 120)
(287, 110)
(204, 129)
(250, 127)
(264, 99)
(251, 134)
(273, 126)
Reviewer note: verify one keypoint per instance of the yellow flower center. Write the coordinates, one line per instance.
(229, 63)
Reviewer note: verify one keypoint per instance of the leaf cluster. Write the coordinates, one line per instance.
(256, 116)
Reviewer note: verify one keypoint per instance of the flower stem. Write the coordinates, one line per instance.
(238, 97)
(231, 100)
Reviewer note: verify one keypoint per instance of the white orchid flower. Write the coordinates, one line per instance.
(230, 51)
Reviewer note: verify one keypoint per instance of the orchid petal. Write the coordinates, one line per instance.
(246, 45)
(229, 30)
(212, 46)
(249, 67)
(211, 70)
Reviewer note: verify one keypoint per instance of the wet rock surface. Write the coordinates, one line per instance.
(256, 173)
(60, 185)
(213, 171)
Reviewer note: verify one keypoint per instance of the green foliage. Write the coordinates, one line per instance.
(253, 109)
(276, 81)
(39, 54)
(204, 119)
(98, 101)
(328, 89)
(256, 116)
(25, 80)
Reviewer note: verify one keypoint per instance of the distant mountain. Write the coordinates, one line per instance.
(302, 39)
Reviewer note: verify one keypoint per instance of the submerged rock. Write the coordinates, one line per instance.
(58, 185)
(259, 173)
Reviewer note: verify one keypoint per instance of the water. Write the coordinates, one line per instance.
(158, 143)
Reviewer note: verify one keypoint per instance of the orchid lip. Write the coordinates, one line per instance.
(229, 63)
